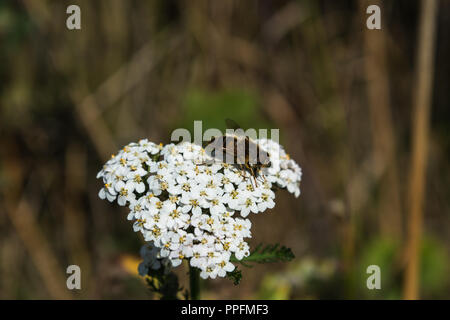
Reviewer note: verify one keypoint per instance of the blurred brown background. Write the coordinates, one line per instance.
(364, 112)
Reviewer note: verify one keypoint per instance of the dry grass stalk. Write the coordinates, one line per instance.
(383, 136)
(422, 100)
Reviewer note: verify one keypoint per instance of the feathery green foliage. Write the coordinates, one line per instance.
(266, 254)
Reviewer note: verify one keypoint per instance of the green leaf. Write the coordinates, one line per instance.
(267, 254)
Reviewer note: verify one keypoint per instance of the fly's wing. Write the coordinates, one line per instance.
(213, 145)
(253, 150)
(221, 148)
(231, 124)
(230, 149)
(241, 149)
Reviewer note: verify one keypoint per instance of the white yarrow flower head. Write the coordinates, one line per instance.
(189, 206)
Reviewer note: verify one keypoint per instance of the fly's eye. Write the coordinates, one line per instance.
(266, 161)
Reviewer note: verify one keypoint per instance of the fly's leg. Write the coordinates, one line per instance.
(255, 177)
(253, 174)
(263, 176)
(241, 171)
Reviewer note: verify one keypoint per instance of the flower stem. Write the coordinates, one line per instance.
(194, 282)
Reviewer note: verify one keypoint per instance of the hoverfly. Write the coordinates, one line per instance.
(239, 150)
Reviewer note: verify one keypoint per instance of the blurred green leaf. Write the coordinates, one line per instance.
(383, 253)
(386, 254)
(214, 107)
(433, 267)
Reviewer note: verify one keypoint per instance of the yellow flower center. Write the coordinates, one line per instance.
(156, 232)
(164, 185)
(174, 214)
(141, 222)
